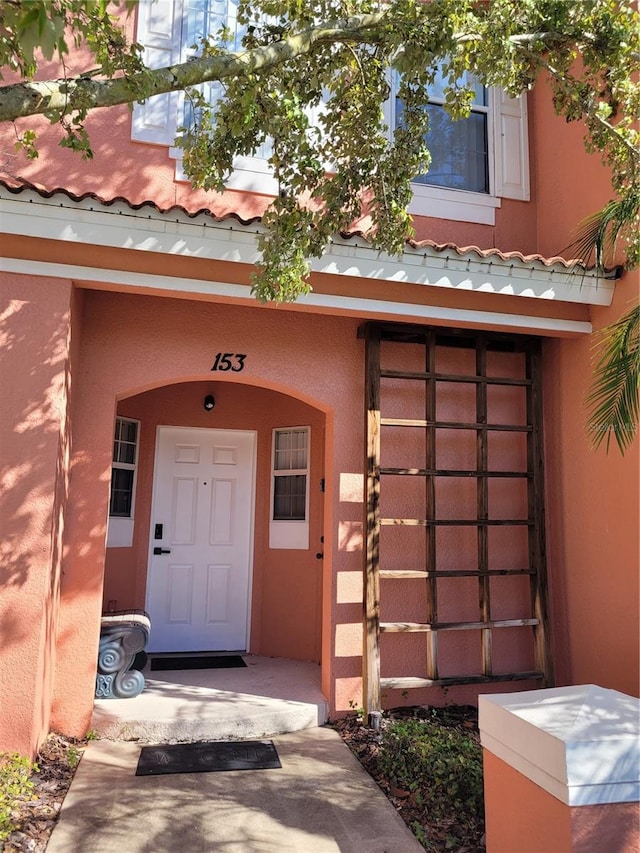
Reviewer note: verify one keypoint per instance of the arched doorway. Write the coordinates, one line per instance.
(275, 607)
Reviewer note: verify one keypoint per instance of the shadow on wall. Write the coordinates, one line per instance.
(34, 467)
(35, 383)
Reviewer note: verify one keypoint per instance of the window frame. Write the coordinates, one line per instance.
(445, 202)
(289, 533)
(120, 527)
(482, 109)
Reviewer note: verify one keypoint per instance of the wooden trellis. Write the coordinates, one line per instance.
(425, 383)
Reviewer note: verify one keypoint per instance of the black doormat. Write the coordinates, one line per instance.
(207, 757)
(197, 662)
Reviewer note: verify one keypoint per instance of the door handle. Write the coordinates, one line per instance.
(319, 555)
(162, 550)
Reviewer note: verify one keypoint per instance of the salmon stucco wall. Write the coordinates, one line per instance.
(593, 502)
(134, 343)
(156, 355)
(286, 589)
(593, 510)
(569, 184)
(521, 816)
(35, 331)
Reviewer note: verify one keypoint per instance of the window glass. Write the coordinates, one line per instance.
(207, 17)
(290, 449)
(290, 470)
(121, 492)
(437, 88)
(123, 470)
(124, 444)
(459, 149)
(289, 498)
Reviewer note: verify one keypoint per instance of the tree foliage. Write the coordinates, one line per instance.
(614, 402)
(335, 59)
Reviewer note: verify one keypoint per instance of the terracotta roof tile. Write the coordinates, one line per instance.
(15, 185)
(18, 186)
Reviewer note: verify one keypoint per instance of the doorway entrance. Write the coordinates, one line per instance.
(201, 540)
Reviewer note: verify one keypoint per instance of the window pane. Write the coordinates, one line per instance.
(290, 450)
(459, 157)
(121, 492)
(128, 431)
(124, 445)
(205, 18)
(436, 89)
(289, 493)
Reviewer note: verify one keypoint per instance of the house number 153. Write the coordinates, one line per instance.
(229, 361)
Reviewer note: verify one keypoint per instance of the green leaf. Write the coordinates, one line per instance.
(614, 400)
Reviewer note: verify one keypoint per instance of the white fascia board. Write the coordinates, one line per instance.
(448, 269)
(120, 227)
(360, 307)
(174, 233)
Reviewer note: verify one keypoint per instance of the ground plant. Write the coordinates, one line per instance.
(31, 794)
(428, 761)
(15, 787)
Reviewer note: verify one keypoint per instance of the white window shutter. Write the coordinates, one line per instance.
(511, 145)
(160, 31)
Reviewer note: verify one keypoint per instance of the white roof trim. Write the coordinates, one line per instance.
(118, 225)
(328, 303)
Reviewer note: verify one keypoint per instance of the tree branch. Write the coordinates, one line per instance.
(63, 96)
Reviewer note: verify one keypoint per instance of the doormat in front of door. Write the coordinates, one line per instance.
(197, 662)
(207, 757)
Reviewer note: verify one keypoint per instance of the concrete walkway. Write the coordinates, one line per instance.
(320, 801)
(266, 697)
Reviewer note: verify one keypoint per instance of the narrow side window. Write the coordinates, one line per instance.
(289, 516)
(123, 483)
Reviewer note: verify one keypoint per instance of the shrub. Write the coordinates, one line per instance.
(15, 785)
(441, 767)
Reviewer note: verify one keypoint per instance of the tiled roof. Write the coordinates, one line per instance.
(17, 186)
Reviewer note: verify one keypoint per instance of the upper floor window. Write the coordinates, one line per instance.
(171, 32)
(459, 149)
(475, 161)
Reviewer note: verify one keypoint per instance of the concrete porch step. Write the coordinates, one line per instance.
(267, 697)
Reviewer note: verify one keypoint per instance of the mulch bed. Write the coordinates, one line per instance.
(364, 742)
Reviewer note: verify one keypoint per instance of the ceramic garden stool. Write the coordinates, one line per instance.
(123, 636)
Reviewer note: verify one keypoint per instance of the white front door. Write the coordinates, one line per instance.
(201, 538)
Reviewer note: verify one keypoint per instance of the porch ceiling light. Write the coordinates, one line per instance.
(208, 403)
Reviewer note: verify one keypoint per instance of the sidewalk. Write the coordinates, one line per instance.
(321, 801)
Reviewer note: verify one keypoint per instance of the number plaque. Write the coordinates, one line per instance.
(229, 361)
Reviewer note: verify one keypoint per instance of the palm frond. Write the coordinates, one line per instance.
(614, 400)
(598, 234)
